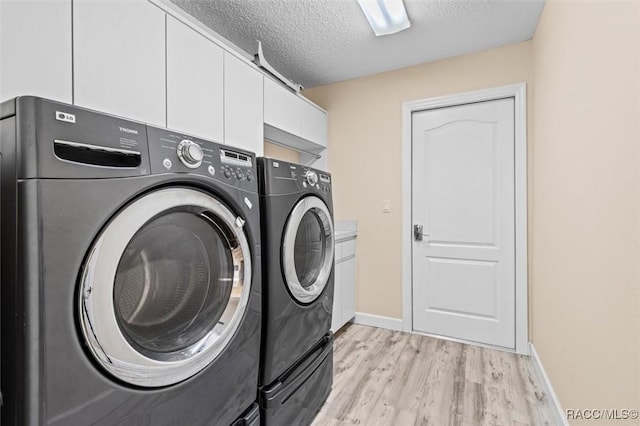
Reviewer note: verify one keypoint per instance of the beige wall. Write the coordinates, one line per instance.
(365, 154)
(583, 75)
(586, 211)
(280, 153)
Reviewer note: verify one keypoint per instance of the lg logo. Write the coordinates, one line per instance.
(64, 116)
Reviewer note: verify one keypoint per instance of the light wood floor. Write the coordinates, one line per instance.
(384, 377)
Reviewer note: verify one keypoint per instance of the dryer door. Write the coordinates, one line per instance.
(165, 287)
(307, 249)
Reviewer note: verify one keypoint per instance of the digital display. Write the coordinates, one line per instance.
(237, 158)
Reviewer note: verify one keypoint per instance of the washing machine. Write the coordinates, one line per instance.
(298, 263)
(130, 272)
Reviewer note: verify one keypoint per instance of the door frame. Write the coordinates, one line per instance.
(519, 93)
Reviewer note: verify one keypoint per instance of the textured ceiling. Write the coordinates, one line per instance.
(315, 42)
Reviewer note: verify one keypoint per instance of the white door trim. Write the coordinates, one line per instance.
(519, 93)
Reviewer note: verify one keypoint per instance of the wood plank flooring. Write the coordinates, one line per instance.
(390, 378)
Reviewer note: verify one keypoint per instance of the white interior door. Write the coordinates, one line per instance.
(463, 183)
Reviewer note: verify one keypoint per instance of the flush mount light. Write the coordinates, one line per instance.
(385, 16)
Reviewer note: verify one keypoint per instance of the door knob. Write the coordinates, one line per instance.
(417, 232)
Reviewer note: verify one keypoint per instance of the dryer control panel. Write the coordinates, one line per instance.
(174, 152)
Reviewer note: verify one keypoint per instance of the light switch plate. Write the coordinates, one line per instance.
(386, 206)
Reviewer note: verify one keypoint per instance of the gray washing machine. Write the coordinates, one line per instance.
(130, 272)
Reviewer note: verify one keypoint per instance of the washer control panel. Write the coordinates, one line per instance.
(190, 153)
(307, 178)
(282, 178)
(325, 182)
(173, 152)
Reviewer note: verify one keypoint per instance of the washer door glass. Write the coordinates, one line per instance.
(173, 281)
(165, 287)
(308, 249)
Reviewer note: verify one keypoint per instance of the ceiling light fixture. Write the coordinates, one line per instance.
(385, 16)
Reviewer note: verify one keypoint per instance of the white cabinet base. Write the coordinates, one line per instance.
(336, 317)
(344, 294)
(348, 282)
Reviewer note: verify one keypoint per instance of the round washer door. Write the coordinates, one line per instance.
(165, 287)
(307, 250)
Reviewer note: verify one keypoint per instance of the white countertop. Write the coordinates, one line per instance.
(345, 229)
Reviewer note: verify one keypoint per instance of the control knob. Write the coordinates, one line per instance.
(190, 154)
(312, 177)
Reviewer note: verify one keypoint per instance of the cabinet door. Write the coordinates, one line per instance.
(243, 105)
(119, 58)
(336, 317)
(281, 107)
(313, 123)
(348, 289)
(195, 93)
(35, 43)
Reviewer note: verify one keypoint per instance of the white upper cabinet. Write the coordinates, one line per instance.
(195, 92)
(132, 59)
(281, 107)
(243, 105)
(293, 114)
(313, 124)
(35, 44)
(119, 58)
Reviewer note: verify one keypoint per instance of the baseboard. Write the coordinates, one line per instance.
(548, 389)
(378, 321)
